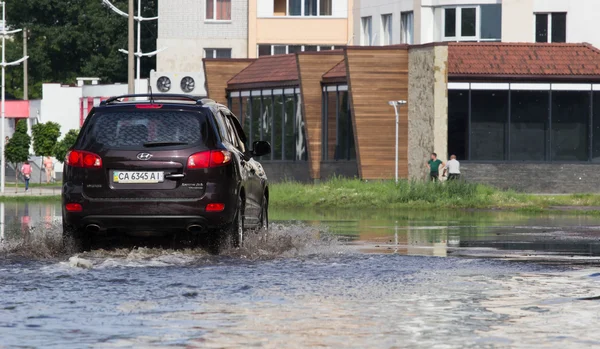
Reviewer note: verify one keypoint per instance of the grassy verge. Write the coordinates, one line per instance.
(31, 198)
(356, 194)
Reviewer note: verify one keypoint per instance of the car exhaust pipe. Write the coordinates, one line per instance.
(92, 228)
(195, 228)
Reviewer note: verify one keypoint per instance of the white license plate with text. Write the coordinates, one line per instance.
(138, 177)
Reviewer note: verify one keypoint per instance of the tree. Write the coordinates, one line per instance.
(68, 39)
(63, 146)
(17, 149)
(45, 137)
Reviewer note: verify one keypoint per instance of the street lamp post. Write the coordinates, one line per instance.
(396, 105)
(139, 54)
(4, 33)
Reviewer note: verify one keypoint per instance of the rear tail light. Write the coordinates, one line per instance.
(73, 207)
(79, 158)
(206, 159)
(218, 207)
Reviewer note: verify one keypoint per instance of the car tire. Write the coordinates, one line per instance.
(263, 226)
(232, 235)
(76, 240)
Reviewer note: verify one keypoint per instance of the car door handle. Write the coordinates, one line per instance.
(175, 176)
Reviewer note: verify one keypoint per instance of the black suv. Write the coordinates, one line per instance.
(168, 164)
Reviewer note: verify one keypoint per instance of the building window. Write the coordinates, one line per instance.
(218, 10)
(472, 23)
(525, 125)
(217, 53)
(386, 29)
(338, 132)
(303, 8)
(366, 30)
(268, 50)
(406, 27)
(551, 27)
(274, 116)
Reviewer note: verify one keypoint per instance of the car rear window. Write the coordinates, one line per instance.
(130, 129)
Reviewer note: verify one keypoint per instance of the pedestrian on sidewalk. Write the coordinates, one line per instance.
(453, 168)
(26, 172)
(434, 167)
(48, 166)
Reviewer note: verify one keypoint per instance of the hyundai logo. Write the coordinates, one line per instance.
(144, 156)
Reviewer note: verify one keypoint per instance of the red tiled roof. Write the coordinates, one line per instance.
(523, 59)
(267, 70)
(337, 72)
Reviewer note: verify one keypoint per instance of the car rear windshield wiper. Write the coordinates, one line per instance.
(163, 144)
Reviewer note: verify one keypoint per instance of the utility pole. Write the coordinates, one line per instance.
(130, 60)
(4, 33)
(139, 54)
(25, 67)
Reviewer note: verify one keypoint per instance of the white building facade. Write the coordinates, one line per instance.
(384, 22)
(192, 30)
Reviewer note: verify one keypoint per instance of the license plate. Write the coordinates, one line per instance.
(138, 177)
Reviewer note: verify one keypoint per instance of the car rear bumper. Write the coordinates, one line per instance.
(148, 215)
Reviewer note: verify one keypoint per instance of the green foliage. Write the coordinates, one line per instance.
(63, 146)
(68, 39)
(45, 137)
(17, 148)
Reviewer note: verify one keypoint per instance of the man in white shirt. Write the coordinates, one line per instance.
(453, 168)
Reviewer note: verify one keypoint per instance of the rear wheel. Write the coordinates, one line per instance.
(232, 236)
(264, 216)
(76, 240)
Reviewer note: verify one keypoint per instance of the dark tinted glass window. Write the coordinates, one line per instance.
(559, 27)
(450, 22)
(345, 133)
(134, 129)
(295, 48)
(295, 7)
(458, 118)
(467, 24)
(310, 7)
(491, 21)
(596, 127)
(310, 48)
(570, 119)
(264, 50)
(529, 125)
(489, 115)
(278, 130)
(256, 113)
(326, 8)
(541, 28)
(289, 126)
(266, 122)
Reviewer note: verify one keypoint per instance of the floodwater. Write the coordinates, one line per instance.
(319, 279)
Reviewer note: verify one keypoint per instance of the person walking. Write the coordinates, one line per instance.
(434, 167)
(26, 172)
(48, 166)
(453, 168)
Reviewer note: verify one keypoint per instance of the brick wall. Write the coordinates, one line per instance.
(536, 178)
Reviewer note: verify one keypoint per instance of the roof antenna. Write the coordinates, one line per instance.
(150, 91)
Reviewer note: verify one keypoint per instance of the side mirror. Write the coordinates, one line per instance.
(261, 148)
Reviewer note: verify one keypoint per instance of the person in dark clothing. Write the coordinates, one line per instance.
(434, 167)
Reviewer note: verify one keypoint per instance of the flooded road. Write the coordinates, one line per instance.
(335, 279)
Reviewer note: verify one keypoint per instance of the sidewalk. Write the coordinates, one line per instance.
(9, 191)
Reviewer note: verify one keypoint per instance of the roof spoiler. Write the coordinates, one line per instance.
(153, 96)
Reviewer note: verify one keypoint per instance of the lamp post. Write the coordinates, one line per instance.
(396, 105)
(139, 54)
(4, 33)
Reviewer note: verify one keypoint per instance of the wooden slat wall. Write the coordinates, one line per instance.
(375, 77)
(311, 68)
(218, 72)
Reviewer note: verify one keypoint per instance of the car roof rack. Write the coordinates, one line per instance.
(152, 97)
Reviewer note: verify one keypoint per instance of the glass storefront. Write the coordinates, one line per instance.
(338, 132)
(273, 115)
(524, 125)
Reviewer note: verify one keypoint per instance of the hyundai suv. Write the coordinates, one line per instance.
(167, 164)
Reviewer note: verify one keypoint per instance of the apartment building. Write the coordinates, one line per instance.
(192, 30)
(290, 26)
(384, 22)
